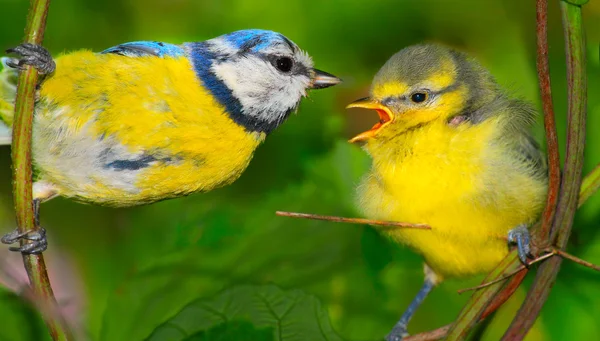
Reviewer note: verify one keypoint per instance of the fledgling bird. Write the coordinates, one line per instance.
(454, 151)
(147, 121)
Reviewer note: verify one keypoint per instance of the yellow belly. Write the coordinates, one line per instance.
(466, 189)
(124, 131)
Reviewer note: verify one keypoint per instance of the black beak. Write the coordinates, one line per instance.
(322, 79)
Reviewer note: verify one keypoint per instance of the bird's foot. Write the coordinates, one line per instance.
(398, 333)
(520, 236)
(37, 238)
(34, 55)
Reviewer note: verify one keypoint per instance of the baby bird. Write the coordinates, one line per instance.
(454, 151)
(147, 121)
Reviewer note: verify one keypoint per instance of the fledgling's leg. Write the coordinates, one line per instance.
(34, 55)
(400, 329)
(520, 236)
(37, 237)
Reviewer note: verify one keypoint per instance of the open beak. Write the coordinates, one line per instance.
(322, 79)
(385, 117)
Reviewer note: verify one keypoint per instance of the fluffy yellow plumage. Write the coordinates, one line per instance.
(452, 151)
(145, 109)
(147, 121)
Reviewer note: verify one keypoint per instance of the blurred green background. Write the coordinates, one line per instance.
(120, 273)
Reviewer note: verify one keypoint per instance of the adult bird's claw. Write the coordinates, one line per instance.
(397, 334)
(37, 238)
(34, 55)
(520, 236)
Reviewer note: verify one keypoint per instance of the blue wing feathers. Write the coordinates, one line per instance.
(146, 48)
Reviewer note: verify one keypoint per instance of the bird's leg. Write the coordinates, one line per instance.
(36, 237)
(400, 329)
(520, 236)
(34, 55)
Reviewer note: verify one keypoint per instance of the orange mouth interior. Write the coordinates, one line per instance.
(385, 116)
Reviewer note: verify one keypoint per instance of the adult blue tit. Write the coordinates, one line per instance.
(147, 121)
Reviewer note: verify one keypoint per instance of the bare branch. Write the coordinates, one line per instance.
(352, 220)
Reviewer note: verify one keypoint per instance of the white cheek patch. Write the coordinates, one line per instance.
(304, 59)
(263, 91)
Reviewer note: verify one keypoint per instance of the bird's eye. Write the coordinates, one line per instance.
(418, 97)
(284, 64)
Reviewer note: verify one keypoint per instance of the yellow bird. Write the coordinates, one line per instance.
(147, 121)
(454, 151)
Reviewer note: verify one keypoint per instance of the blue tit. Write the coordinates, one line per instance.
(147, 121)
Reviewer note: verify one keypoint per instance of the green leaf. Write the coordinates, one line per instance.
(234, 330)
(266, 312)
(234, 245)
(20, 321)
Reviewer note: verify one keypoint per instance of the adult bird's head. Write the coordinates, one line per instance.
(424, 84)
(259, 76)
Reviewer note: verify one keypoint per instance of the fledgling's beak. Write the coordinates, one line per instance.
(385, 116)
(322, 79)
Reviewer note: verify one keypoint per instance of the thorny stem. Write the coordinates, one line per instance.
(22, 174)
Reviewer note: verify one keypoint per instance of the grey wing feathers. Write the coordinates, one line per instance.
(531, 151)
(522, 116)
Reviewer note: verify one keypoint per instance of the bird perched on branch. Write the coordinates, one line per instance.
(454, 151)
(146, 121)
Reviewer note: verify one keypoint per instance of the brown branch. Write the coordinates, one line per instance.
(519, 274)
(436, 334)
(576, 260)
(543, 71)
(352, 220)
(571, 181)
(22, 174)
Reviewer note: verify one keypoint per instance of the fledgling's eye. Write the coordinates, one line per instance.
(284, 64)
(418, 97)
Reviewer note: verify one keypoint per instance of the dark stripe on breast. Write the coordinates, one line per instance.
(136, 164)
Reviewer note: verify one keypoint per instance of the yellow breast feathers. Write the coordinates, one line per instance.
(463, 183)
(123, 131)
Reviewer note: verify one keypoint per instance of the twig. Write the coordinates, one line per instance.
(352, 220)
(507, 291)
(436, 334)
(521, 268)
(576, 260)
(22, 175)
(440, 333)
(479, 302)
